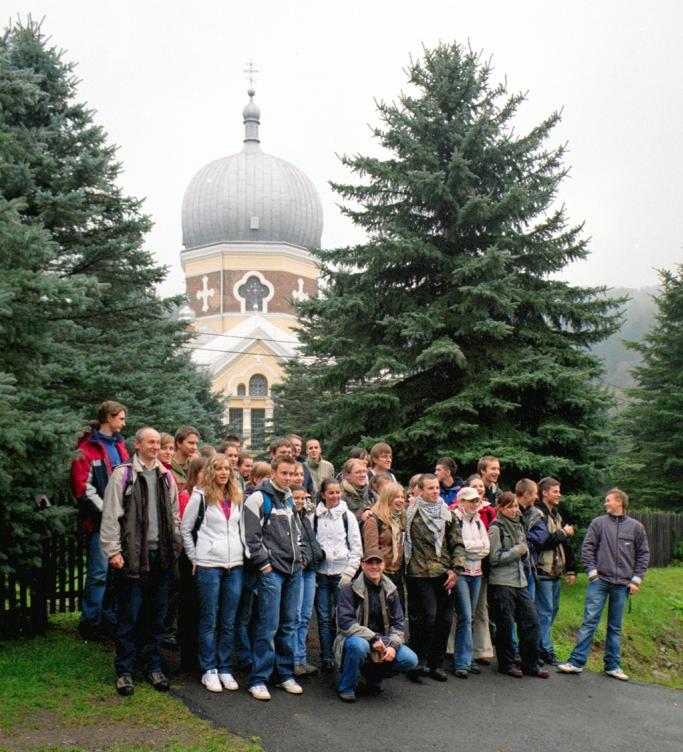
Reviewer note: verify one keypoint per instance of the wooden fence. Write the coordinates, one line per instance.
(664, 533)
(28, 597)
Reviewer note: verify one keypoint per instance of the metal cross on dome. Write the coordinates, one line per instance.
(250, 70)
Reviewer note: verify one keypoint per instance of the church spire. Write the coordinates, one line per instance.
(251, 113)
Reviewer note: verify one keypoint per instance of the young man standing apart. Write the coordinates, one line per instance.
(550, 539)
(100, 450)
(141, 537)
(274, 545)
(615, 553)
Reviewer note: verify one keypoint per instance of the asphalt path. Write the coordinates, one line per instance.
(589, 712)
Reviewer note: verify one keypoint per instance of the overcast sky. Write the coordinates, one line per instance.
(167, 82)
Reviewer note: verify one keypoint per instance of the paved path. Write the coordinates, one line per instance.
(586, 713)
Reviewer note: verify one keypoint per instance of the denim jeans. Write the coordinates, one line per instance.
(326, 609)
(303, 617)
(142, 606)
(466, 595)
(246, 626)
(94, 610)
(355, 660)
(598, 592)
(275, 633)
(219, 591)
(547, 606)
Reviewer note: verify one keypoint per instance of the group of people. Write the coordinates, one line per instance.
(235, 554)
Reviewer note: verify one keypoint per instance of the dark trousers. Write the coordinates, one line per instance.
(431, 612)
(398, 580)
(514, 606)
(188, 616)
(142, 609)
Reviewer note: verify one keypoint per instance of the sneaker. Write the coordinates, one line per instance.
(211, 682)
(461, 673)
(259, 692)
(305, 669)
(568, 668)
(291, 686)
(617, 673)
(347, 696)
(159, 681)
(124, 685)
(550, 659)
(228, 681)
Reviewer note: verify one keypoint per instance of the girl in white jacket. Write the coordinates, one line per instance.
(476, 541)
(336, 530)
(212, 542)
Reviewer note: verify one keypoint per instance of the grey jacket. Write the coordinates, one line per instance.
(507, 542)
(616, 550)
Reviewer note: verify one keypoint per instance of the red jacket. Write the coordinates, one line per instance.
(90, 473)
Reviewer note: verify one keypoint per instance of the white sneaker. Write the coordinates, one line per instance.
(228, 681)
(617, 673)
(569, 668)
(292, 687)
(259, 692)
(210, 681)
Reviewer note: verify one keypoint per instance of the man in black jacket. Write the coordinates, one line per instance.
(370, 639)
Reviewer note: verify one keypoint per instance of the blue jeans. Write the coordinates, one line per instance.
(219, 591)
(596, 595)
(326, 609)
(466, 594)
(275, 634)
(355, 660)
(142, 606)
(94, 612)
(303, 616)
(547, 606)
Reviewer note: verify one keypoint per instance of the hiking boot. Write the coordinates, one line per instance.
(259, 692)
(159, 681)
(291, 686)
(228, 681)
(210, 681)
(617, 673)
(568, 668)
(124, 685)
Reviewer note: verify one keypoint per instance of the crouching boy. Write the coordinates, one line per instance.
(370, 638)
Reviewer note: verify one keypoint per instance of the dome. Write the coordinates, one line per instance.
(251, 196)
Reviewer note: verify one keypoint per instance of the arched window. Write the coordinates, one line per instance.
(254, 292)
(258, 386)
(241, 390)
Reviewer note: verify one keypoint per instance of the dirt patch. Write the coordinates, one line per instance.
(45, 729)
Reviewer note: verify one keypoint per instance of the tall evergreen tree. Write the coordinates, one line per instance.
(448, 330)
(80, 320)
(654, 419)
(59, 162)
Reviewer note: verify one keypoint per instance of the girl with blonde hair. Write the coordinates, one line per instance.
(213, 544)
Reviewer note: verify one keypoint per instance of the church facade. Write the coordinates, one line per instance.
(249, 221)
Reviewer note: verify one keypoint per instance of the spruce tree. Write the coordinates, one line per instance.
(653, 465)
(60, 164)
(448, 330)
(80, 320)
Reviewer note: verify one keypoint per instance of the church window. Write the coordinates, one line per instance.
(258, 428)
(258, 386)
(236, 420)
(253, 292)
(241, 390)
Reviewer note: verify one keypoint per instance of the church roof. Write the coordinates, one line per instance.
(251, 196)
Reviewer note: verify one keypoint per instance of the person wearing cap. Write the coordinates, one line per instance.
(476, 541)
(371, 630)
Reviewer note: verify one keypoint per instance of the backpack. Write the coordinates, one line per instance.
(199, 519)
(346, 526)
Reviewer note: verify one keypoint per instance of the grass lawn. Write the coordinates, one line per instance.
(57, 693)
(652, 634)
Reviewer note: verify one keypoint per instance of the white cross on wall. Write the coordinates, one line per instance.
(299, 294)
(205, 293)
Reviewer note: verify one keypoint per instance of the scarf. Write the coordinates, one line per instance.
(435, 515)
(514, 528)
(396, 533)
(355, 499)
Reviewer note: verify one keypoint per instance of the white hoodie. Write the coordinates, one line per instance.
(218, 541)
(475, 539)
(342, 551)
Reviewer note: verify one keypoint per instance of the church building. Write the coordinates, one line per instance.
(248, 220)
